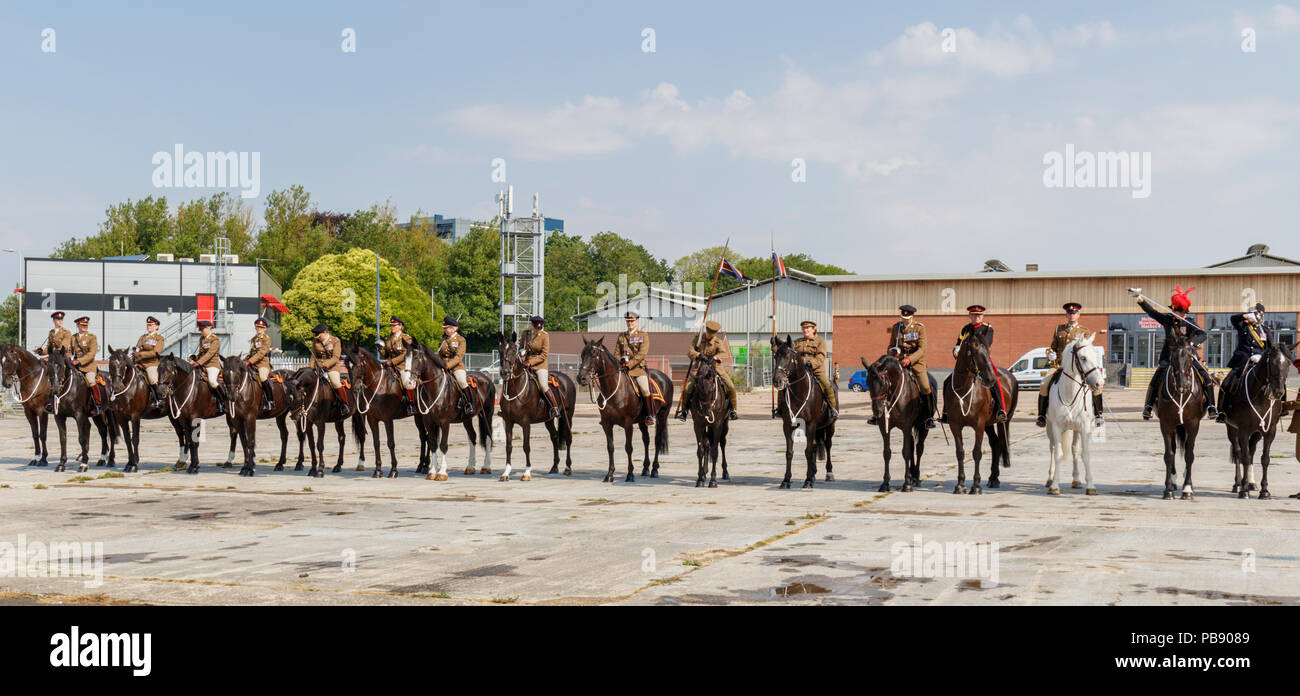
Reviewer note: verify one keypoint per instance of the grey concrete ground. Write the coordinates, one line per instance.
(281, 537)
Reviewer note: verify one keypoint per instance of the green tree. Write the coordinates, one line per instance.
(9, 319)
(338, 290)
(469, 285)
(700, 267)
(288, 241)
(148, 227)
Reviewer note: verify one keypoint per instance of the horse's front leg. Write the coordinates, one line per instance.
(510, 448)
(1243, 456)
(627, 447)
(378, 443)
(284, 441)
(889, 455)
(557, 443)
(722, 449)
(1263, 464)
(392, 448)
(1189, 456)
(645, 444)
(701, 453)
(609, 447)
(789, 453)
(810, 453)
(83, 440)
(1170, 436)
(713, 453)
(343, 438)
(960, 450)
(62, 422)
(234, 435)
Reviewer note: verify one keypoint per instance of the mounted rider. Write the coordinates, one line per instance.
(708, 345)
(812, 350)
(984, 332)
(85, 346)
(326, 354)
(259, 359)
(1177, 326)
(452, 351)
(148, 348)
(395, 350)
(59, 340)
(1064, 335)
(209, 360)
(633, 347)
(907, 343)
(1252, 339)
(536, 356)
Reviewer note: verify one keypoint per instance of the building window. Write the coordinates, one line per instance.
(121, 302)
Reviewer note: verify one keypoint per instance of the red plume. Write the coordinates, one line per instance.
(1180, 301)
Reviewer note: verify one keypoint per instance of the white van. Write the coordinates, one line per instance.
(1032, 367)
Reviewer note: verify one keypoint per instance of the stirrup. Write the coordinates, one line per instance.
(1146, 413)
(872, 420)
(732, 415)
(929, 423)
(681, 416)
(1221, 417)
(776, 412)
(556, 412)
(1041, 421)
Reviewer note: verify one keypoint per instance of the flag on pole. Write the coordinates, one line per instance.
(779, 264)
(728, 269)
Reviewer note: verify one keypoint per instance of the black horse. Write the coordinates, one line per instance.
(709, 410)
(128, 399)
(897, 404)
(1256, 406)
(522, 403)
(621, 406)
(71, 399)
(803, 409)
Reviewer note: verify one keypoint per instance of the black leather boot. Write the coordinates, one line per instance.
(1097, 411)
(928, 403)
(268, 397)
(1042, 412)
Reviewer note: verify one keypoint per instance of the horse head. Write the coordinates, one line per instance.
(233, 370)
(974, 356)
(10, 359)
(1276, 362)
(508, 349)
(171, 368)
(880, 374)
(120, 364)
(594, 354)
(298, 388)
(60, 367)
(784, 361)
(1182, 364)
(1081, 361)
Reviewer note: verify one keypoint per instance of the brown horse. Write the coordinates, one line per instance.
(378, 396)
(620, 405)
(71, 399)
(243, 406)
(313, 404)
(522, 403)
(128, 398)
(896, 403)
(28, 373)
(1256, 405)
(438, 405)
(281, 403)
(709, 410)
(968, 402)
(1180, 404)
(188, 399)
(805, 415)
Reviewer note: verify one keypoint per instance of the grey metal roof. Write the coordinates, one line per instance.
(1013, 275)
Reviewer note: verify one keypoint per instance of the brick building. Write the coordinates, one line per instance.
(1025, 306)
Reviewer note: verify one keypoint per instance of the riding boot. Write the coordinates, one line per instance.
(268, 397)
(1211, 411)
(1150, 402)
(220, 397)
(1222, 415)
(155, 399)
(1042, 412)
(731, 401)
(649, 410)
(344, 409)
(1097, 418)
(928, 402)
(686, 403)
(552, 397)
(410, 402)
(466, 405)
(96, 400)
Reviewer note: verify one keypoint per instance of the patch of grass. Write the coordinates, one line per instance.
(812, 516)
(790, 523)
(40, 486)
(229, 487)
(432, 595)
(4, 485)
(111, 474)
(307, 489)
(505, 600)
(81, 479)
(693, 564)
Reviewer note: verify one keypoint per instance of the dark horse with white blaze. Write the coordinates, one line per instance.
(378, 397)
(188, 399)
(1180, 404)
(129, 399)
(522, 403)
(244, 407)
(802, 408)
(620, 405)
(1256, 401)
(897, 404)
(709, 411)
(968, 402)
(438, 405)
(71, 397)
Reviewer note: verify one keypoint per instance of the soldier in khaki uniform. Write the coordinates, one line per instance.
(60, 339)
(326, 351)
(452, 352)
(710, 345)
(259, 358)
(907, 343)
(633, 347)
(1064, 335)
(537, 351)
(396, 351)
(812, 349)
(209, 360)
(85, 346)
(147, 350)
(984, 332)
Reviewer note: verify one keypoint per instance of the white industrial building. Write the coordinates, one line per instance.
(118, 294)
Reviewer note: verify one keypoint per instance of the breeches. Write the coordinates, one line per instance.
(459, 374)
(642, 383)
(263, 373)
(922, 377)
(90, 378)
(336, 380)
(152, 373)
(211, 372)
(407, 381)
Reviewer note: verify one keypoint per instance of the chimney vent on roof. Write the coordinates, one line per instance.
(1257, 250)
(1031, 267)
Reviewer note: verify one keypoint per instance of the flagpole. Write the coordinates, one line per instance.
(681, 400)
(774, 279)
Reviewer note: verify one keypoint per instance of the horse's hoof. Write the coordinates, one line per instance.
(1243, 494)
(485, 471)
(654, 473)
(785, 484)
(1252, 487)
(83, 468)
(192, 470)
(994, 483)
(101, 463)
(630, 479)
(976, 490)
(360, 467)
(1076, 484)
(1169, 495)
(526, 477)
(568, 471)
(555, 469)
(1054, 491)
(713, 484)
(392, 473)
(830, 477)
(645, 470)
(1235, 486)
(470, 471)
(959, 489)
(1187, 495)
(607, 479)
(60, 468)
(503, 477)
(337, 468)
(1090, 491)
(726, 476)
(430, 477)
(34, 462)
(807, 483)
(1048, 484)
(1265, 495)
(377, 474)
(699, 483)
(884, 488)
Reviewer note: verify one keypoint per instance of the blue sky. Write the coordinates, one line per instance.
(916, 159)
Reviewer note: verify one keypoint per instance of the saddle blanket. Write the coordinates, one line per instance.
(655, 393)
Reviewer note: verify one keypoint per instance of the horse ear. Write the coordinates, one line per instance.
(1091, 338)
(774, 340)
(788, 342)
(501, 338)
(600, 341)
(110, 347)
(514, 337)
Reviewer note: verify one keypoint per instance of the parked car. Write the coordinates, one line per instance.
(858, 382)
(1032, 367)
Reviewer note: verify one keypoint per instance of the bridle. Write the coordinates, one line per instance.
(127, 383)
(593, 377)
(883, 376)
(1265, 418)
(790, 382)
(364, 402)
(172, 408)
(443, 383)
(22, 377)
(1082, 379)
(705, 406)
(1183, 397)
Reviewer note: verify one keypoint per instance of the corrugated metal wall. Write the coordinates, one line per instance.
(795, 302)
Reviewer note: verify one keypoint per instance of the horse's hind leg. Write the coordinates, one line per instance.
(557, 443)
(234, 435)
(338, 428)
(722, 449)
(827, 439)
(392, 449)
(609, 447)
(1263, 464)
(810, 455)
(284, 441)
(977, 454)
(959, 446)
(645, 444)
(919, 438)
(1189, 456)
(789, 455)
(995, 449)
(473, 446)
(627, 447)
(1171, 473)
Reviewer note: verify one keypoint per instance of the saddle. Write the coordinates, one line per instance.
(655, 393)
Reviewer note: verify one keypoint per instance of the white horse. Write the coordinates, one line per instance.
(1070, 419)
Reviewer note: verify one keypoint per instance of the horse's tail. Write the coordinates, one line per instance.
(661, 434)
(1004, 442)
(485, 416)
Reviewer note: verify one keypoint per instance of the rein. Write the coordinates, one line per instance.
(1181, 403)
(890, 408)
(34, 386)
(604, 399)
(1266, 418)
(171, 399)
(803, 377)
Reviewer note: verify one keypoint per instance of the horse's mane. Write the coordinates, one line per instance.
(888, 362)
(184, 366)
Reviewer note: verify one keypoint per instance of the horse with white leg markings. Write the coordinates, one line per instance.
(1070, 419)
(523, 403)
(1180, 404)
(438, 404)
(1255, 403)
